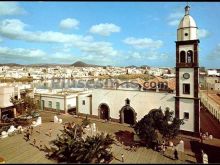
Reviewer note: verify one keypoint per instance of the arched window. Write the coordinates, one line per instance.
(189, 56)
(182, 56)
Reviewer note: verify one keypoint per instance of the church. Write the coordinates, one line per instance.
(129, 105)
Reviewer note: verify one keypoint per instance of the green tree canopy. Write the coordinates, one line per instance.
(27, 103)
(158, 122)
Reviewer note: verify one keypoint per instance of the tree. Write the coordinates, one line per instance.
(17, 103)
(24, 104)
(29, 104)
(73, 147)
(170, 125)
(157, 122)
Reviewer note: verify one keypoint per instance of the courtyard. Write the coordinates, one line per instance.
(15, 149)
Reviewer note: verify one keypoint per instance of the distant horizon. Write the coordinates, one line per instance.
(110, 33)
(97, 65)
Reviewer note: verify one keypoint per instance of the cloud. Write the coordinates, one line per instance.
(69, 23)
(105, 29)
(35, 55)
(174, 18)
(136, 55)
(100, 48)
(10, 8)
(143, 43)
(20, 52)
(15, 29)
(61, 57)
(203, 33)
(144, 56)
(215, 54)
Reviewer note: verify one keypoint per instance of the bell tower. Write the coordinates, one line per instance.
(187, 103)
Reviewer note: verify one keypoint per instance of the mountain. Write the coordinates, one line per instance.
(82, 64)
(144, 66)
(46, 65)
(131, 66)
(11, 64)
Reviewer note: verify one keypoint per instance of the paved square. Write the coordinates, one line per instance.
(16, 150)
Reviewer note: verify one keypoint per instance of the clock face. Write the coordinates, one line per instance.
(186, 75)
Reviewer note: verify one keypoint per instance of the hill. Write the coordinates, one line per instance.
(82, 64)
(10, 64)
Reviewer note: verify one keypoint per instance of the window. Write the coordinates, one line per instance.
(57, 105)
(186, 88)
(127, 101)
(182, 56)
(189, 56)
(50, 104)
(83, 102)
(16, 97)
(186, 115)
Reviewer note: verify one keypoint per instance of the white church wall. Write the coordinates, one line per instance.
(84, 108)
(141, 102)
(71, 100)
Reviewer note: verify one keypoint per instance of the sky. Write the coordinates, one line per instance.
(104, 33)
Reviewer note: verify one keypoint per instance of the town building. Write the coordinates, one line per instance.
(212, 83)
(56, 100)
(6, 107)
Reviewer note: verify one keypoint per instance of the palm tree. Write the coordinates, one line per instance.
(73, 147)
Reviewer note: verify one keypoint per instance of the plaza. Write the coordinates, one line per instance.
(15, 149)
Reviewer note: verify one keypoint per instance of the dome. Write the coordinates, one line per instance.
(187, 29)
(187, 21)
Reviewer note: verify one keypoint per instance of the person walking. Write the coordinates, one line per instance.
(28, 135)
(163, 149)
(34, 142)
(176, 154)
(122, 157)
(40, 146)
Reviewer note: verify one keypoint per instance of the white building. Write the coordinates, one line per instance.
(56, 100)
(212, 72)
(212, 83)
(6, 107)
